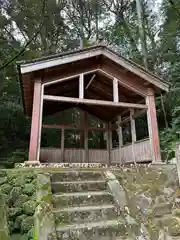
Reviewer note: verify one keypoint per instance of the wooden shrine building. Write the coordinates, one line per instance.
(102, 84)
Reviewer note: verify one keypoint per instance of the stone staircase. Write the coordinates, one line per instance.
(84, 209)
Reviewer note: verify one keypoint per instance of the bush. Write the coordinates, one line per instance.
(6, 188)
(18, 189)
(3, 180)
(14, 212)
(29, 207)
(19, 219)
(21, 200)
(27, 224)
(29, 189)
(14, 194)
(3, 173)
(30, 233)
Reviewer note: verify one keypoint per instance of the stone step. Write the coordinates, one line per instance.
(76, 175)
(86, 214)
(82, 199)
(112, 229)
(54, 237)
(78, 186)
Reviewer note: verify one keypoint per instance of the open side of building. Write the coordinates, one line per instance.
(102, 84)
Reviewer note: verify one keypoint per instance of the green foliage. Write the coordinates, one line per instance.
(29, 189)
(19, 192)
(6, 188)
(18, 221)
(171, 135)
(21, 200)
(27, 224)
(29, 207)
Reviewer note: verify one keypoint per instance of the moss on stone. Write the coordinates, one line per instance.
(18, 188)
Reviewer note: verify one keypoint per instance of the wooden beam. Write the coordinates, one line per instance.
(115, 90)
(34, 147)
(90, 81)
(138, 70)
(93, 102)
(153, 126)
(54, 126)
(136, 114)
(81, 86)
(123, 80)
(30, 67)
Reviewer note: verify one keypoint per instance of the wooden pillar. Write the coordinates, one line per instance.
(120, 137)
(86, 137)
(35, 139)
(62, 144)
(81, 86)
(109, 141)
(115, 91)
(133, 134)
(153, 126)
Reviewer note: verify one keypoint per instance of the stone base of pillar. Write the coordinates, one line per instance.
(32, 163)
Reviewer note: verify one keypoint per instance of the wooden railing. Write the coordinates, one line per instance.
(141, 152)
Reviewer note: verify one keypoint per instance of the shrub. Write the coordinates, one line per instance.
(29, 207)
(21, 200)
(27, 224)
(29, 189)
(14, 194)
(18, 189)
(14, 212)
(19, 219)
(6, 188)
(3, 173)
(3, 180)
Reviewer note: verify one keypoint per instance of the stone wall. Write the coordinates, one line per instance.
(153, 196)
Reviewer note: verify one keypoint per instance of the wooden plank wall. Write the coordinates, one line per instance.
(98, 156)
(142, 152)
(74, 155)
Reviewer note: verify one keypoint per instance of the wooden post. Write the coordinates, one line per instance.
(34, 148)
(115, 91)
(86, 137)
(109, 142)
(153, 126)
(133, 133)
(62, 144)
(120, 137)
(81, 86)
(178, 160)
(120, 132)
